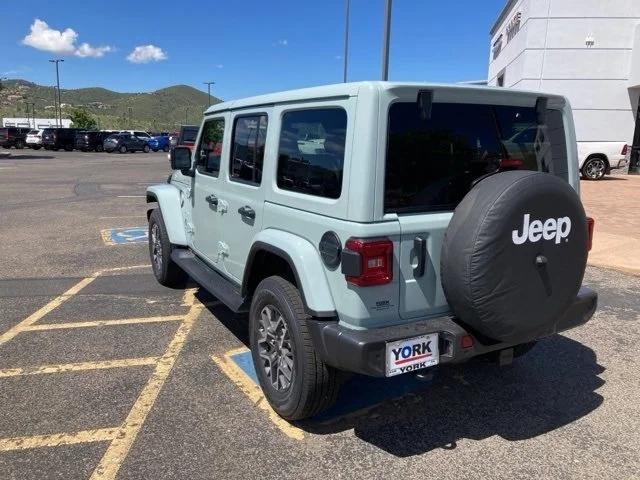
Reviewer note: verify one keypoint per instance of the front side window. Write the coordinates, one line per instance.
(432, 164)
(311, 151)
(210, 148)
(249, 136)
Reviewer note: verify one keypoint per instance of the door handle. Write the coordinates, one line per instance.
(420, 247)
(247, 211)
(212, 199)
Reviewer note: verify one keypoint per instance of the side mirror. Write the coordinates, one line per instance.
(180, 158)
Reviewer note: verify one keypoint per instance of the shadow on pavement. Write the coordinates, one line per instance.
(553, 385)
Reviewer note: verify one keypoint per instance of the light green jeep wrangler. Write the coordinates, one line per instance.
(379, 228)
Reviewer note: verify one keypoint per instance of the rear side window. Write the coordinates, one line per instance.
(432, 164)
(210, 148)
(311, 151)
(249, 136)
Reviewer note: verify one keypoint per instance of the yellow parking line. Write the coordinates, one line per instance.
(254, 392)
(76, 367)
(120, 446)
(102, 323)
(56, 439)
(37, 315)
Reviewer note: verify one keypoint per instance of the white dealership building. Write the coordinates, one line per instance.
(588, 50)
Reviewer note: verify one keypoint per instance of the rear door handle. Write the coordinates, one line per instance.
(420, 247)
(247, 212)
(212, 199)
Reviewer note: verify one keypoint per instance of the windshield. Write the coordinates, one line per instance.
(433, 163)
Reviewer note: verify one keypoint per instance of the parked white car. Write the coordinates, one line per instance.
(597, 159)
(34, 139)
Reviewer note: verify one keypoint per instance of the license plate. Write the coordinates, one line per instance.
(408, 355)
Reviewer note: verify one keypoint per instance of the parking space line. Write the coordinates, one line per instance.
(80, 366)
(120, 446)
(102, 323)
(254, 392)
(37, 315)
(57, 439)
(56, 302)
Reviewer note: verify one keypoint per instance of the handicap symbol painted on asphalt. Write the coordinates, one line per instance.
(121, 236)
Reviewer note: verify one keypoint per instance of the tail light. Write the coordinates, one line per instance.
(511, 163)
(368, 262)
(591, 224)
(625, 149)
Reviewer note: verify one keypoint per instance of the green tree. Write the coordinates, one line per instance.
(80, 118)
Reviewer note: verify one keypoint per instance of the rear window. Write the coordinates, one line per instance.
(189, 134)
(433, 163)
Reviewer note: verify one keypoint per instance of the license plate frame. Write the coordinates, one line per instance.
(422, 353)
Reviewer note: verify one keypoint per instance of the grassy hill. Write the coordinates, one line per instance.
(163, 109)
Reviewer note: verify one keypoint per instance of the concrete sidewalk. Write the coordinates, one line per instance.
(614, 203)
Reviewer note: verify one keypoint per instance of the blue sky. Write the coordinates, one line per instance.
(247, 47)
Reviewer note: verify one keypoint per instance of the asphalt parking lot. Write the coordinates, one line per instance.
(106, 374)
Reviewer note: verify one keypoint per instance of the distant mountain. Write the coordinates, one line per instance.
(163, 109)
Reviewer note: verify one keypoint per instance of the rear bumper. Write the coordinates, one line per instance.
(363, 351)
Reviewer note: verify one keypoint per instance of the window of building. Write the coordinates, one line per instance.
(497, 47)
(247, 155)
(311, 151)
(500, 80)
(210, 147)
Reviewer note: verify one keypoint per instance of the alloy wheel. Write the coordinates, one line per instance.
(595, 168)
(275, 348)
(156, 248)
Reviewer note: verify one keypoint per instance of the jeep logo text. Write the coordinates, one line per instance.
(551, 229)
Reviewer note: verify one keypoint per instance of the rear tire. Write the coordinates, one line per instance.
(165, 148)
(594, 168)
(19, 145)
(146, 149)
(99, 148)
(302, 385)
(164, 269)
(36, 147)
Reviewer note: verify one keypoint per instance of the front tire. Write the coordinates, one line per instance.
(594, 168)
(295, 381)
(99, 148)
(123, 149)
(165, 148)
(164, 269)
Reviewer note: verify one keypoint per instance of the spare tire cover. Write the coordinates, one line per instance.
(514, 255)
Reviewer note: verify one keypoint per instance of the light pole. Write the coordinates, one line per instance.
(55, 104)
(57, 61)
(208, 84)
(386, 36)
(347, 5)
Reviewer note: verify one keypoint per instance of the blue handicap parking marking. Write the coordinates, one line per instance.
(120, 236)
(358, 393)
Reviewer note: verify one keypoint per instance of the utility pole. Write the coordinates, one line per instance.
(386, 36)
(130, 117)
(347, 6)
(57, 61)
(55, 104)
(208, 84)
(33, 112)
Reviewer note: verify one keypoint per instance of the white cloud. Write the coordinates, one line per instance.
(42, 37)
(219, 65)
(86, 50)
(281, 43)
(146, 54)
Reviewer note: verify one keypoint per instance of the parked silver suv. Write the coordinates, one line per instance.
(379, 228)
